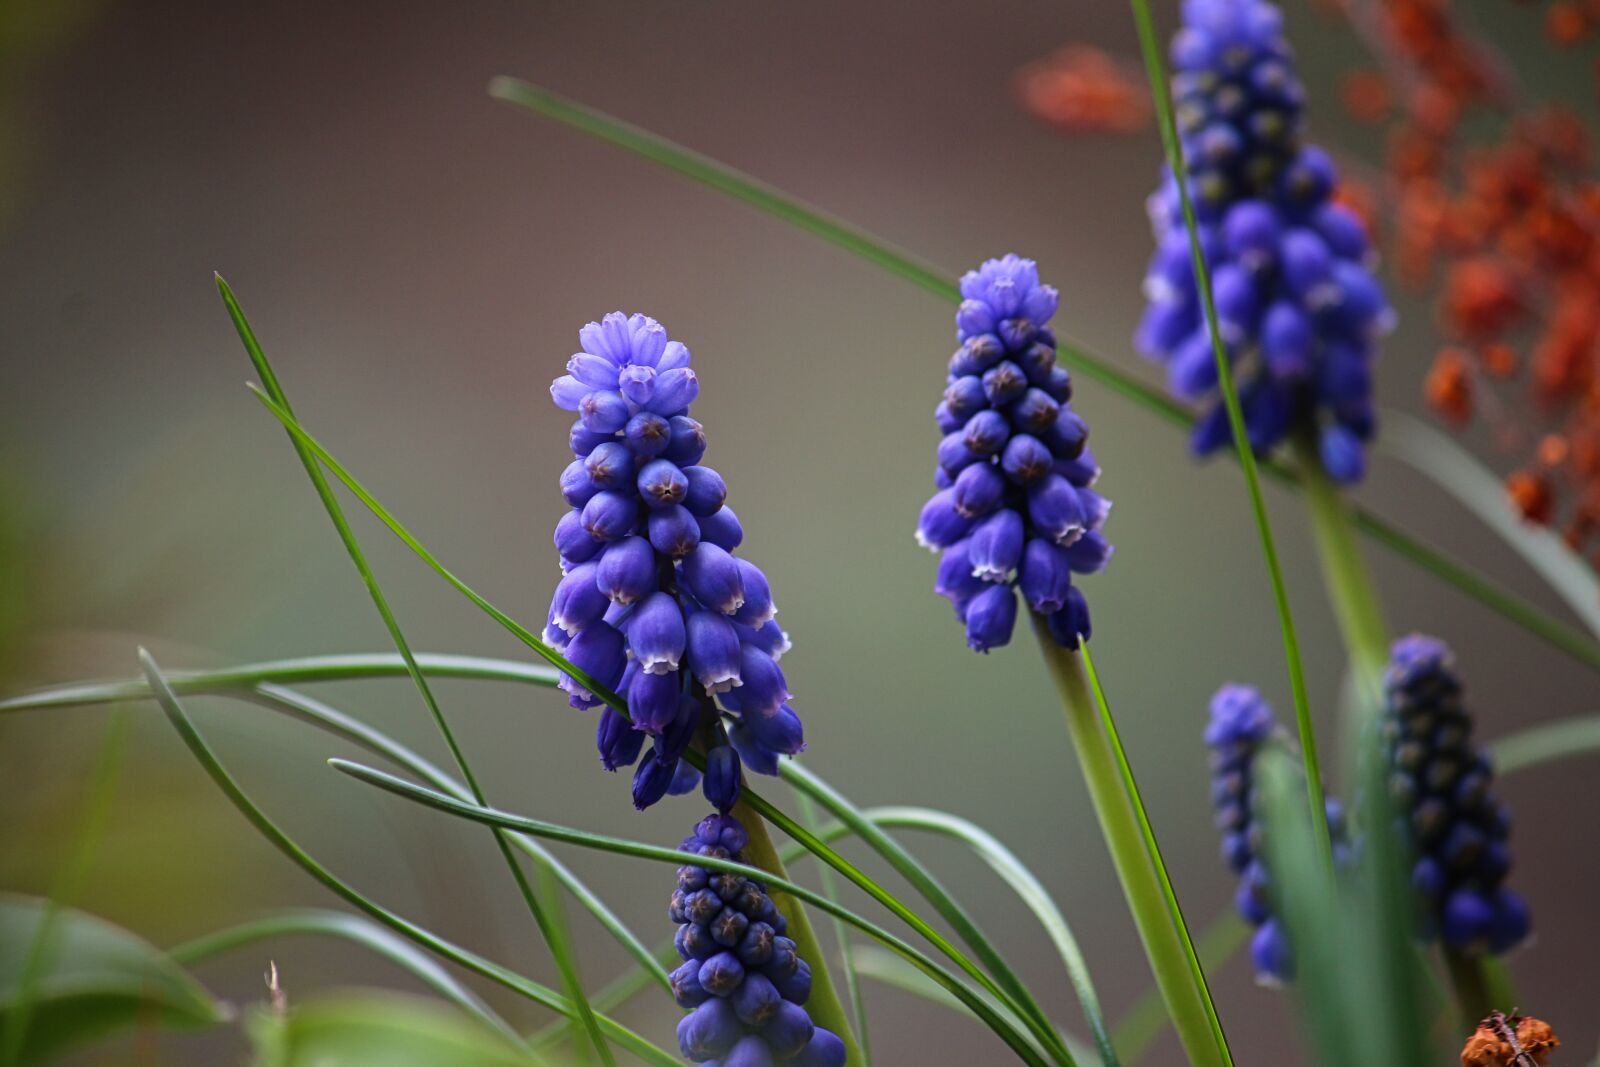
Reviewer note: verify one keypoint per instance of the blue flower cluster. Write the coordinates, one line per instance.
(1014, 507)
(1442, 787)
(654, 604)
(743, 985)
(1241, 723)
(1298, 307)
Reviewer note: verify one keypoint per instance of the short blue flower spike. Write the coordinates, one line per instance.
(1298, 308)
(741, 982)
(1014, 508)
(1442, 788)
(654, 604)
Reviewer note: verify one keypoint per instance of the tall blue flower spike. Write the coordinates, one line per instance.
(1298, 307)
(1014, 507)
(653, 603)
(1241, 723)
(1442, 787)
(741, 982)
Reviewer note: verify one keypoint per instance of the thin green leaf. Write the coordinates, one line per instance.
(439, 946)
(370, 1028)
(1169, 896)
(314, 922)
(1546, 743)
(847, 952)
(891, 970)
(1015, 874)
(552, 931)
(1241, 437)
(96, 978)
(765, 197)
(1147, 1019)
(1015, 993)
(1475, 487)
(639, 850)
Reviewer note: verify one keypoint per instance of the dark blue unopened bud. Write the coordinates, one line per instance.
(756, 1001)
(647, 434)
(603, 412)
(763, 690)
(610, 516)
(706, 493)
(978, 490)
(653, 701)
(1026, 460)
(722, 529)
(657, 634)
(757, 608)
(825, 1050)
(721, 974)
(713, 650)
(796, 985)
(652, 778)
(626, 571)
(662, 484)
(991, 616)
(576, 485)
(687, 442)
(1045, 576)
(995, 547)
(721, 784)
(583, 440)
(1067, 435)
(573, 542)
(610, 465)
(749, 1051)
(617, 741)
(673, 531)
(1089, 554)
(780, 732)
(1036, 412)
(955, 581)
(674, 391)
(686, 989)
(986, 433)
(709, 1030)
(769, 637)
(599, 652)
(1057, 511)
(1004, 382)
(578, 601)
(965, 397)
(1071, 626)
(940, 524)
(788, 1030)
(713, 577)
(953, 454)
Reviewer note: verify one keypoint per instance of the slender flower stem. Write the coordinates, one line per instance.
(1125, 838)
(825, 1006)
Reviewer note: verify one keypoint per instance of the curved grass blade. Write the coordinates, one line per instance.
(926, 884)
(1455, 470)
(1546, 743)
(892, 971)
(1241, 438)
(639, 850)
(1029, 890)
(264, 825)
(316, 922)
(758, 803)
(847, 952)
(764, 197)
(550, 928)
(1152, 850)
(1147, 1019)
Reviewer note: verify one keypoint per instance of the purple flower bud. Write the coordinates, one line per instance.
(578, 600)
(941, 525)
(647, 434)
(610, 516)
(657, 634)
(573, 541)
(1045, 576)
(627, 570)
(1089, 554)
(713, 649)
(721, 974)
(603, 412)
(576, 485)
(596, 372)
(1070, 625)
(1026, 460)
(1067, 436)
(825, 1050)
(748, 1051)
(1057, 510)
(1016, 333)
(764, 689)
(722, 528)
(710, 1030)
(752, 754)
(953, 454)
(978, 490)
(1286, 341)
(675, 390)
(955, 581)
(713, 576)
(686, 988)
(768, 637)
(1037, 362)
(653, 701)
(986, 433)
(568, 392)
(795, 986)
(779, 732)
(721, 786)
(673, 531)
(688, 441)
(974, 317)
(1344, 232)
(1004, 382)
(617, 740)
(636, 384)
(965, 397)
(1342, 454)
(685, 780)
(758, 607)
(582, 440)
(995, 547)
(1269, 952)
(976, 355)
(652, 778)
(756, 1000)
(707, 491)
(991, 616)
(662, 484)
(1036, 412)
(610, 465)
(598, 651)
(1307, 268)
(788, 1030)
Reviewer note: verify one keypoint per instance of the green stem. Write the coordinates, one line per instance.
(1344, 571)
(1471, 983)
(825, 1006)
(1119, 825)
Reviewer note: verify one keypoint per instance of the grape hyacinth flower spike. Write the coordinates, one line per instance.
(1441, 786)
(1014, 509)
(1241, 723)
(741, 982)
(653, 603)
(1298, 307)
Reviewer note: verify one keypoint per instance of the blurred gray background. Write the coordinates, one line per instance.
(418, 258)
